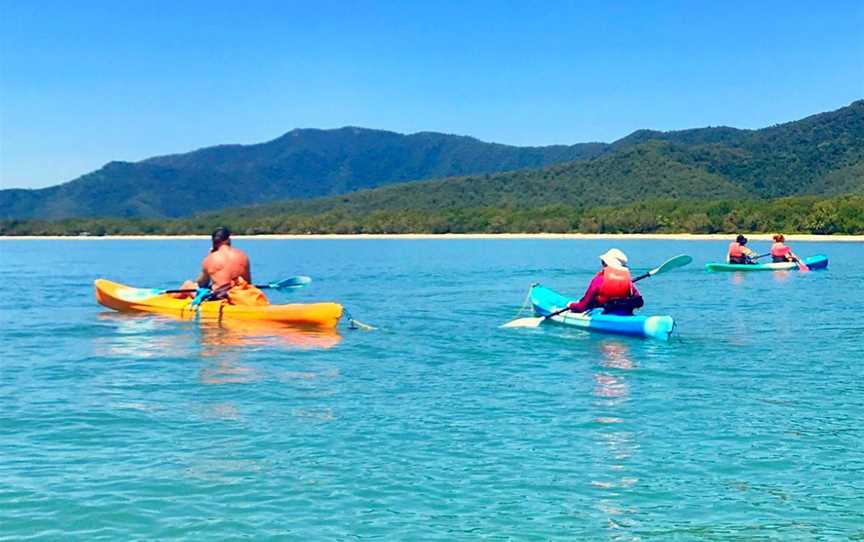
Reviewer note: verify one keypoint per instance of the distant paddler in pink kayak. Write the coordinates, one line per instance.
(612, 288)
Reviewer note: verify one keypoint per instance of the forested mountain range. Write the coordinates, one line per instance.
(300, 164)
(821, 155)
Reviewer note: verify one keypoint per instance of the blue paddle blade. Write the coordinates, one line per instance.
(292, 282)
(200, 296)
(672, 263)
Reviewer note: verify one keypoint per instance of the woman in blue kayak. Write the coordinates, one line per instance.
(739, 252)
(612, 288)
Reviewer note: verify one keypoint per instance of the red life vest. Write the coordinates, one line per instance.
(616, 285)
(779, 250)
(736, 250)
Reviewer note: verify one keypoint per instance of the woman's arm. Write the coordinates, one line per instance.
(587, 300)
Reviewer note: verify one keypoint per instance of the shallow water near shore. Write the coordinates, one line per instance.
(439, 424)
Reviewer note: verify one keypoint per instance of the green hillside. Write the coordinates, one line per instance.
(816, 162)
(799, 214)
(649, 170)
(300, 164)
(801, 157)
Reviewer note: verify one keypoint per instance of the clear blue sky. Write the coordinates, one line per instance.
(86, 82)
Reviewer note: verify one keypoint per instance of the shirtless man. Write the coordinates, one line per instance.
(223, 266)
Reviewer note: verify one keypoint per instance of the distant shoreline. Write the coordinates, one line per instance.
(444, 236)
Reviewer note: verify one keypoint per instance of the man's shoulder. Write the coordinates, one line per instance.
(239, 253)
(211, 258)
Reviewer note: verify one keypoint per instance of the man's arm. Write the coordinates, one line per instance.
(247, 276)
(203, 279)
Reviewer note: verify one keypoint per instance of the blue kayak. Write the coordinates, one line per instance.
(546, 301)
(818, 261)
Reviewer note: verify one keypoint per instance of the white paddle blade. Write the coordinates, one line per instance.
(293, 282)
(525, 322)
(357, 324)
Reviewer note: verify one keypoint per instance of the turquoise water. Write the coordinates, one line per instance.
(439, 425)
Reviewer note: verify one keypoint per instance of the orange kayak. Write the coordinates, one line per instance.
(128, 299)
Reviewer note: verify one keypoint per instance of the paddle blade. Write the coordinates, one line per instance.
(357, 324)
(672, 263)
(138, 294)
(525, 322)
(293, 282)
(803, 267)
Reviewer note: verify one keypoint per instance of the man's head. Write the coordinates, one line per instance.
(221, 236)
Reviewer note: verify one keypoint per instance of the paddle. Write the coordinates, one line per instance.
(801, 265)
(672, 263)
(292, 283)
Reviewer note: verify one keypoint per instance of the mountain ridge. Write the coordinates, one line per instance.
(300, 163)
(819, 154)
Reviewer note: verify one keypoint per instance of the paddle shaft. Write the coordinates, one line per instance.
(640, 277)
(193, 290)
(801, 265)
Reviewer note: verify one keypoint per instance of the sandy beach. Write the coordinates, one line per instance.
(444, 236)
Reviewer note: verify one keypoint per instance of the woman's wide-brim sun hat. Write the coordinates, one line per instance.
(614, 258)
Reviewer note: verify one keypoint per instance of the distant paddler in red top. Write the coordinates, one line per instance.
(780, 252)
(612, 288)
(227, 273)
(739, 252)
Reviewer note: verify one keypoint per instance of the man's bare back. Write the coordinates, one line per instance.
(224, 266)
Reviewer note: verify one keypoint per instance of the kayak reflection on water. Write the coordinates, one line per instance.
(223, 344)
(616, 441)
(616, 355)
(139, 336)
(217, 336)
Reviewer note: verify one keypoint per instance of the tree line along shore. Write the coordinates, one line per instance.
(800, 214)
